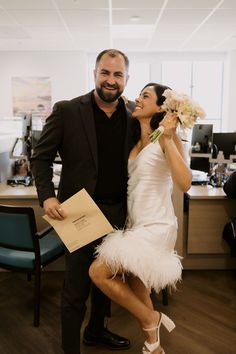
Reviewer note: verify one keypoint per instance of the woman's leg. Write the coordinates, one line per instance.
(140, 290)
(143, 294)
(123, 294)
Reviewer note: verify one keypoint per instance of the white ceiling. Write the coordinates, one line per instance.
(130, 25)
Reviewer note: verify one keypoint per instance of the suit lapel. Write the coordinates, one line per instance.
(86, 113)
(128, 141)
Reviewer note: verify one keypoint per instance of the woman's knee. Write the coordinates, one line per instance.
(97, 272)
(93, 271)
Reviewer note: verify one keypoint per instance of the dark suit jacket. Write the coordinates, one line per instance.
(70, 130)
(230, 186)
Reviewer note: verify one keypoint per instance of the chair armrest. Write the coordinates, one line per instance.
(44, 232)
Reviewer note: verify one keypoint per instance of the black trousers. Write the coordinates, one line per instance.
(77, 287)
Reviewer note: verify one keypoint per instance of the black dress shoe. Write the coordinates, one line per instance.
(107, 339)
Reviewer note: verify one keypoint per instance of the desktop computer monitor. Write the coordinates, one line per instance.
(26, 125)
(225, 142)
(202, 138)
(35, 135)
(201, 143)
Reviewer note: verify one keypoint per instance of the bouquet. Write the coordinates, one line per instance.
(186, 110)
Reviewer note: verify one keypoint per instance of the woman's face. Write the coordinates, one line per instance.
(146, 104)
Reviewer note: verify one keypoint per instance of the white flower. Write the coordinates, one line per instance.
(185, 108)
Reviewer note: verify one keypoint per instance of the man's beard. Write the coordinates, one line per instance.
(108, 96)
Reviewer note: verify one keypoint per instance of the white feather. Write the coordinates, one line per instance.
(130, 251)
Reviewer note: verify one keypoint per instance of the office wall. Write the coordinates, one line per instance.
(230, 92)
(70, 76)
(67, 70)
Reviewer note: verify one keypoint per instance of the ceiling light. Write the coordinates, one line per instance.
(135, 18)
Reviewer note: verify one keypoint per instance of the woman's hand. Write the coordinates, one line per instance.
(169, 122)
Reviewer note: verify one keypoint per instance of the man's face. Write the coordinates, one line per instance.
(110, 77)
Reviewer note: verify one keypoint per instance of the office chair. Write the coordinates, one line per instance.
(23, 249)
(165, 296)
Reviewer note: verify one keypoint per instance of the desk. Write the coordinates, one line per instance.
(27, 196)
(200, 227)
(23, 196)
(208, 210)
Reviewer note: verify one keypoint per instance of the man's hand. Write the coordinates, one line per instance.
(52, 208)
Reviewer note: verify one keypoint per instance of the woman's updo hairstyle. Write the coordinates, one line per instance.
(156, 118)
(159, 89)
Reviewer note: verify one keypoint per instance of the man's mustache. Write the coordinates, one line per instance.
(110, 86)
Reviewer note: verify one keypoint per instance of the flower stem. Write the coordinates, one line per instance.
(156, 134)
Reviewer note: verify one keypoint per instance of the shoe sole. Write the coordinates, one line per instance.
(93, 344)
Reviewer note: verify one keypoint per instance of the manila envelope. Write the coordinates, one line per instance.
(84, 221)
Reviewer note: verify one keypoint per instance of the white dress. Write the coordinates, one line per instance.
(145, 248)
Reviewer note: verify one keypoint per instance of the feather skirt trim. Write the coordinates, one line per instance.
(125, 251)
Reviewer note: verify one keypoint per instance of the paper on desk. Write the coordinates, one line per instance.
(83, 224)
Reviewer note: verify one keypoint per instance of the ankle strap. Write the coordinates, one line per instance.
(150, 329)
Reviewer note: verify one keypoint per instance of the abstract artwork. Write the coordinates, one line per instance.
(31, 95)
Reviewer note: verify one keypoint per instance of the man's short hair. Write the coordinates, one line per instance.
(113, 53)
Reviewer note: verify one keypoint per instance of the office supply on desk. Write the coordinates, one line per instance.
(199, 177)
(17, 180)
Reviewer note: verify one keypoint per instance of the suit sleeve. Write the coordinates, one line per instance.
(230, 186)
(45, 152)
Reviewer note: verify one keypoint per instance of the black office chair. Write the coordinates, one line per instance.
(165, 296)
(23, 249)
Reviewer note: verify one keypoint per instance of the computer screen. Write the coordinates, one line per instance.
(35, 135)
(26, 125)
(202, 138)
(201, 143)
(200, 164)
(225, 142)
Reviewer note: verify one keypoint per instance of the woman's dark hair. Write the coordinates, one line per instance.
(157, 117)
(159, 89)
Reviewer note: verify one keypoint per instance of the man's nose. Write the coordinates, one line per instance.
(111, 80)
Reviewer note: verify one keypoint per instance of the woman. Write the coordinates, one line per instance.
(144, 251)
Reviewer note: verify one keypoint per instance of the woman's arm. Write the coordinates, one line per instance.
(180, 146)
(180, 171)
(175, 155)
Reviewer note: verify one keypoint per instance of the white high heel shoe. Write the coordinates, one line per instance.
(168, 324)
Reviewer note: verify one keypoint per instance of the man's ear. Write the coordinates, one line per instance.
(94, 74)
(127, 78)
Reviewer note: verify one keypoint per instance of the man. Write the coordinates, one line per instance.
(229, 231)
(230, 185)
(91, 134)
